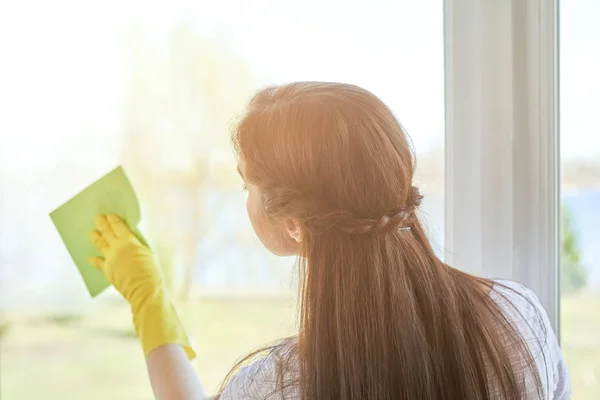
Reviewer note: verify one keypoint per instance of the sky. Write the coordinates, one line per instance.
(63, 63)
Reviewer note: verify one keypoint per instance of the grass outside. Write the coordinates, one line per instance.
(97, 357)
(580, 341)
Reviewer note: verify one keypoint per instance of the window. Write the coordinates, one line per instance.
(502, 146)
(153, 85)
(580, 151)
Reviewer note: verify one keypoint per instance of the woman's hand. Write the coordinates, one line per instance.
(127, 263)
(132, 269)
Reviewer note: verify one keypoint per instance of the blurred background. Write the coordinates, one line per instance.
(156, 87)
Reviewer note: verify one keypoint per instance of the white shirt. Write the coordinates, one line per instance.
(258, 381)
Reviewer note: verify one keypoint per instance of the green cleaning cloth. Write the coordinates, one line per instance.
(74, 220)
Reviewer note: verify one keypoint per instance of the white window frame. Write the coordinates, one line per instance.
(502, 142)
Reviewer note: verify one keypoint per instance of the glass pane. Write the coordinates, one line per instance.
(580, 152)
(154, 86)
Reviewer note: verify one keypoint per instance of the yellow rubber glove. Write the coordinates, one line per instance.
(132, 269)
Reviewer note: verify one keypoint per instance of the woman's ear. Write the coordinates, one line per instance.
(294, 230)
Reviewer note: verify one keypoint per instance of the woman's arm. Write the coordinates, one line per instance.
(133, 270)
(172, 375)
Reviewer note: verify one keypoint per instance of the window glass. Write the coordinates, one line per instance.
(580, 152)
(154, 85)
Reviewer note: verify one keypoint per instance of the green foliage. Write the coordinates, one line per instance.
(573, 275)
(64, 319)
(4, 327)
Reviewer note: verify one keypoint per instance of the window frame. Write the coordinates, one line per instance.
(502, 177)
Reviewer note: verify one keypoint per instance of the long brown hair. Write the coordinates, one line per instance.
(381, 317)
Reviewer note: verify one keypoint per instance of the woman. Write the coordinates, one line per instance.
(329, 173)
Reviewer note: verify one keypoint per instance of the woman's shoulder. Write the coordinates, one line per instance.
(524, 311)
(506, 292)
(269, 378)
